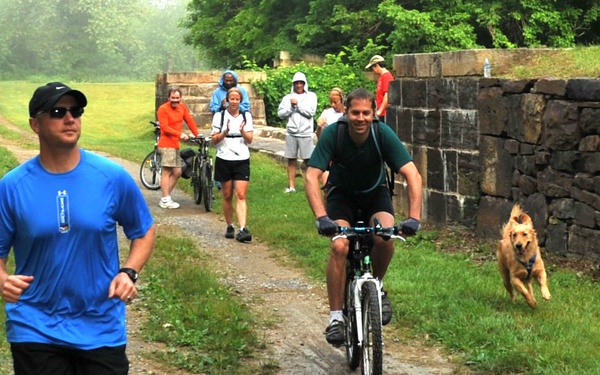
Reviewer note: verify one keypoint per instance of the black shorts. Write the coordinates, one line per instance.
(47, 359)
(354, 207)
(236, 170)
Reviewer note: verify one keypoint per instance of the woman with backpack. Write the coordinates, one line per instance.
(232, 132)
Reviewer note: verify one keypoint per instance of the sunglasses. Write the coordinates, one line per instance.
(60, 112)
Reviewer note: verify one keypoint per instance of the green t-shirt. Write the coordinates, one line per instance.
(359, 168)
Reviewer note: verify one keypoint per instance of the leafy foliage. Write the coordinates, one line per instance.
(256, 28)
(259, 29)
(334, 73)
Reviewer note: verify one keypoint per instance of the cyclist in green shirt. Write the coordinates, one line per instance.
(357, 183)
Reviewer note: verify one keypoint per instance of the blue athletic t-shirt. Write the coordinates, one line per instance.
(63, 231)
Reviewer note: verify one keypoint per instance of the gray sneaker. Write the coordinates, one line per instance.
(230, 232)
(335, 333)
(243, 235)
(386, 309)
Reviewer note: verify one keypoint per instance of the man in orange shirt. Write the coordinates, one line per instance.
(377, 63)
(171, 116)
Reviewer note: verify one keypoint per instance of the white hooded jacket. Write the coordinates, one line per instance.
(300, 119)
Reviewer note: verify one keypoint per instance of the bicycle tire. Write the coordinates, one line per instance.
(207, 184)
(372, 348)
(352, 349)
(150, 171)
(197, 180)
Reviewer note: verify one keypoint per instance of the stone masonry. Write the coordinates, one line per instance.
(483, 144)
(197, 89)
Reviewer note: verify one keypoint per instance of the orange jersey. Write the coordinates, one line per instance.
(171, 124)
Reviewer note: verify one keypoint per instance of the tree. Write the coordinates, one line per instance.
(534, 23)
(92, 39)
(230, 30)
(259, 29)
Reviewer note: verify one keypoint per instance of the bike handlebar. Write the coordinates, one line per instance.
(200, 139)
(156, 128)
(377, 230)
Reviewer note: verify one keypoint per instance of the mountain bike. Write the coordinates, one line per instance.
(362, 298)
(150, 170)
(201, 176)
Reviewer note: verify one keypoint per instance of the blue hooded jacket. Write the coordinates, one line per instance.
(221, 92)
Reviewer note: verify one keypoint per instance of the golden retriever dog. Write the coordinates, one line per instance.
(519, 258)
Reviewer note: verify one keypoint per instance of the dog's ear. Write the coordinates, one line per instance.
(526, 219)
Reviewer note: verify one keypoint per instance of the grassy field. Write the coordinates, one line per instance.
(567, 63)
(455, 299)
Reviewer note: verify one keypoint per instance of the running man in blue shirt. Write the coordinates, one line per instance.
(59, 213)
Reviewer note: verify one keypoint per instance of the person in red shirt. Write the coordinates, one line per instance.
(171, 115)
(377, 63)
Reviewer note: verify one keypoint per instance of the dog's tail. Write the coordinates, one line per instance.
(517, 216)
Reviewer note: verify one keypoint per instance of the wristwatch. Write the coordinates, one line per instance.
(133, 275)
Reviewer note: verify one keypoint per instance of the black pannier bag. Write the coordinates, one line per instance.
(188, 160)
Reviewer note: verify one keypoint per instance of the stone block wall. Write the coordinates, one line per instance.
(438, 119)
(197, 89)
(540, 141)
(483, 144)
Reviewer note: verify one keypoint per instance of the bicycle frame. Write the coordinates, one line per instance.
(150, 170)
(202, 172)
(361, 289)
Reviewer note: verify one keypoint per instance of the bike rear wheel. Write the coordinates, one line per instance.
(372, 350)
(207, 184)
(150, 171)
(197, 180)
(352, 348)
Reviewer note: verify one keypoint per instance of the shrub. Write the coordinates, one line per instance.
(333, 73)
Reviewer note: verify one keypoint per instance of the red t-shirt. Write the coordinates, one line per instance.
(383, 85)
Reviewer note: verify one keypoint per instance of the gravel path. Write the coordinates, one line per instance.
(274, 290)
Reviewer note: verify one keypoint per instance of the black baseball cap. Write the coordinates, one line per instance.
(45, 97)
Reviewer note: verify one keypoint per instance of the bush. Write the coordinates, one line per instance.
(333, 73)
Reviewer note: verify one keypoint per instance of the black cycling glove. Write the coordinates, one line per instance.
(409, 226)
(326, 226)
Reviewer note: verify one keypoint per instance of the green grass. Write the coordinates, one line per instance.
(207, 330)
(7, 162)
(567, 63)
(454, 299)
(115, 120)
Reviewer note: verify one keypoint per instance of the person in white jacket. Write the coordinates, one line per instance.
(298, 108)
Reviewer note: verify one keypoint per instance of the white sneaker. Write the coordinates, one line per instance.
(168, 203)
(290, 190)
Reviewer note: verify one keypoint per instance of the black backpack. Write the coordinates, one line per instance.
(342, 130)
(187, 155)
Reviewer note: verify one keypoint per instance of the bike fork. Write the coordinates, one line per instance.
(357, 301)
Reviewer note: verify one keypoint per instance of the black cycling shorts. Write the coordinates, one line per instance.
(236, 170)
(353, 207)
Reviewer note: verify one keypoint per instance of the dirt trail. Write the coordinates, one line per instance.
(273, 289)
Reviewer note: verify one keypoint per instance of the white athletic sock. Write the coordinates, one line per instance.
(336, 315)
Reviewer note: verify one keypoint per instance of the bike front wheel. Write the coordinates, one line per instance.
(150, 171)
(207, 184)
(372, 349)
(197, 180)
(352, 348)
